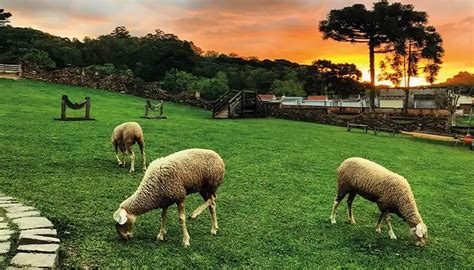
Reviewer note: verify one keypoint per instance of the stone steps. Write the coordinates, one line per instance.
(37, 246)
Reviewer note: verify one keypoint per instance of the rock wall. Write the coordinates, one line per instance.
(330, 116)
(115, 83)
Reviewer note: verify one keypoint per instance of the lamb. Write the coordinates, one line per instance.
(390, 191)
(123, 137)
(167, 181)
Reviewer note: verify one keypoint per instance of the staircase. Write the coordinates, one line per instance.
(238, 104)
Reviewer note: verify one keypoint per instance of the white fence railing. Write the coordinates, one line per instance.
(6, 68)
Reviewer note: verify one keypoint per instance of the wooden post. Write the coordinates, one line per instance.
(63, 107)
(243, 103)
(88, 107)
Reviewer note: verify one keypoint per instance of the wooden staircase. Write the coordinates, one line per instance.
(238, 104)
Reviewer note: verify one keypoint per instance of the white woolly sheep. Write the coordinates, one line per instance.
(167, 181)
(390, 191)
(123, 137)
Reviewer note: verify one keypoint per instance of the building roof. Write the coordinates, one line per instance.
(317, 98)
(267, 97)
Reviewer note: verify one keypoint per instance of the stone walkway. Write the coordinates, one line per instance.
(37, 246)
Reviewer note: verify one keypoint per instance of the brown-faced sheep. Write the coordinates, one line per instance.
(167, 181)
(390, 191)
(123, 137)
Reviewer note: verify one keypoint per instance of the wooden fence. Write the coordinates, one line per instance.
(7, 68)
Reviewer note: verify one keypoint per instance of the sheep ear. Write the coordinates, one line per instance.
(421, 230)
(120, 216)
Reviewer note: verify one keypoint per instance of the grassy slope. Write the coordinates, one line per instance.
(273, 208)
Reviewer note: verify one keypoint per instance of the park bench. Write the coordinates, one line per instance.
(388, 130)
(361, 126)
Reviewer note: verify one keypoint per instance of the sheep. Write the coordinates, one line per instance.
(167, 181)
(390, 191)
(123, 137)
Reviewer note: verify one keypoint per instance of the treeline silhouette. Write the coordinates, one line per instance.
(161, 56)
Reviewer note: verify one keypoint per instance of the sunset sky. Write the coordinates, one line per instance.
(263, 28)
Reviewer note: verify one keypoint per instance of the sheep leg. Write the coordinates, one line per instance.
(132, 158)
(123, 159)
(212, 209)
(379, 222)
(350, 212)
(162, 234)
(199, 210)
(142, 151)
(116, 154)
(337, 201)
(182, 221)
(391, 234)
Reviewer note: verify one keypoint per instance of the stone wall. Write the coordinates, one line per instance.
(115, 83)
(340, 117)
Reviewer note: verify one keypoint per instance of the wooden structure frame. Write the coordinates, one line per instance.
(238, 104)
(65, 103)
(154, 108)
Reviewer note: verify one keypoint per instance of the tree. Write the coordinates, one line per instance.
(212, 88)
(337, 79)
(415, 46)
(39, 58)
(356, 24)
(4, 17)
(288, 88)
(448, 99)
(176, 81)
(120, 32)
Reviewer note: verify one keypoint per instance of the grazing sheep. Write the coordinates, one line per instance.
(390, 191)
(123, 137)
(167, 181)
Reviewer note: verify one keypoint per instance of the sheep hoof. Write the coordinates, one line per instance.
(121, 165)
(186, 244)
(132, 171)
(161, 237)
(193, 216)
(333, 220)
(214, 231)
(378, 230)
(393, 237)
(352, 222)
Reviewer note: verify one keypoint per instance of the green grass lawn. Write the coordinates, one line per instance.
(273, 207)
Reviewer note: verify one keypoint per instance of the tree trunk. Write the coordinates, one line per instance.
(372, 76)
(405, 101)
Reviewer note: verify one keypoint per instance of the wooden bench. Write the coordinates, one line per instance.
(388, 130)
(364, 127)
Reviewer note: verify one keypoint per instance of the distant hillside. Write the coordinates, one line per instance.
(462, 78)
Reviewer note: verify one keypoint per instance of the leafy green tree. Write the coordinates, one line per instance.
(4, 17)
(212, 88)
(39, 58)
(176, 81)
(287, 88)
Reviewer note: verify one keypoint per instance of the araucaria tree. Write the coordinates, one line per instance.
(4, 17)
(414, 47)
(387, 28)
(356, 24)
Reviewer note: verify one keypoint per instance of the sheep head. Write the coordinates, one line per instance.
(421, 233)
(124, 223)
